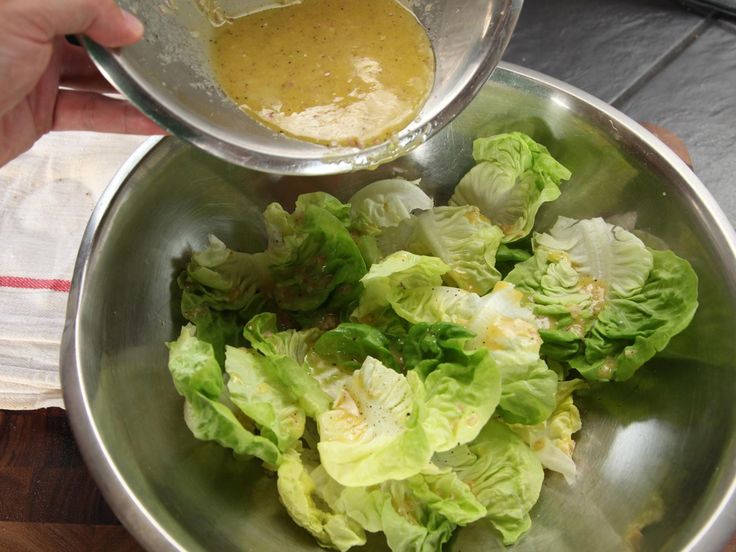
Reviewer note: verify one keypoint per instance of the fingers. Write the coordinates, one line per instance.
(671, 139)
(88, 111)
(79, 73)
(41, 20)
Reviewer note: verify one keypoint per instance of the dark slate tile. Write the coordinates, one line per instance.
(601, 46)
(695, 97)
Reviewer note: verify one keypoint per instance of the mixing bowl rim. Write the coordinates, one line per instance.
(713, 535)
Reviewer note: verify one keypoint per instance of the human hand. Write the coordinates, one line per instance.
(36, 60)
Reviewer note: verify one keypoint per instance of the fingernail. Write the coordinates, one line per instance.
(133, 23)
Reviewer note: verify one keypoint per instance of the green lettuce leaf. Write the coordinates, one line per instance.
(503, 473)
(408, 512)
(391, 283)
(461, 237)
(386, 203)
(507, 328)
(284, 229)
(552, 439)
(314, 262)
(297, 492)
(513, 177)
(221, 289)
(339, 352)
(631, 330)
(263, 334)
(374, 431)
(462, 386)
(285, 354)
(605, 301)
(348, 345)
(445, 494)
(408, 525)
(257, 391)
(198, 378)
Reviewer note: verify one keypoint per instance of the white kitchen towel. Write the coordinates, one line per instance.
(46, 198)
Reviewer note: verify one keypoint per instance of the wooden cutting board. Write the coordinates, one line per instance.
(48, 500)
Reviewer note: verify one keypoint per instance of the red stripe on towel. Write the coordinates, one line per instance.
(22, 282)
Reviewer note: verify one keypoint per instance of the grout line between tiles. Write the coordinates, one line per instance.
(728, 24)
(661, 62)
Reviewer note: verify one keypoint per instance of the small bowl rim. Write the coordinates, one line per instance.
(110, 62)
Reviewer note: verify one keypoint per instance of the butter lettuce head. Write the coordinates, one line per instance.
(462, 386)
(605, 301)
(221, 289)
(513, 177)
(198, 378)
(297, 492)
(460, 236)
(504, 475)
(386, 203)
(374, 430)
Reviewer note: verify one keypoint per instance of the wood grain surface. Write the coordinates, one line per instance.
(48, 500)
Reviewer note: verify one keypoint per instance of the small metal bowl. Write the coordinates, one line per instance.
(656, 455)
(168, 76)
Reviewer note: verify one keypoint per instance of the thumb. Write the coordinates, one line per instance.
(102, 20)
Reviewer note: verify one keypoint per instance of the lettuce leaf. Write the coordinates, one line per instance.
(632, 329)
(503, 473)
(462, 386)
(445, 494)
(461, 237)
(410, 285)
(552, 439)
(284, 353)
(508, 330)
(409, 512)
(374, 431)
(263, 334)
(297, 491)
(339, 352)
(386, 203)
(605, 301)
(513, 177)
(257, 391)
(198, 378)
(314, 263)
(395, 279)
(221, 289)
(348, 345)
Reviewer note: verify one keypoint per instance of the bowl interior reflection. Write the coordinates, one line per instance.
(655, 454)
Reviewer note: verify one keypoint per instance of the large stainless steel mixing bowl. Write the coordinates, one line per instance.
(656, 455)
(168, 76)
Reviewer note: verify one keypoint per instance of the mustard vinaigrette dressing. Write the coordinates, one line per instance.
(335, 72)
